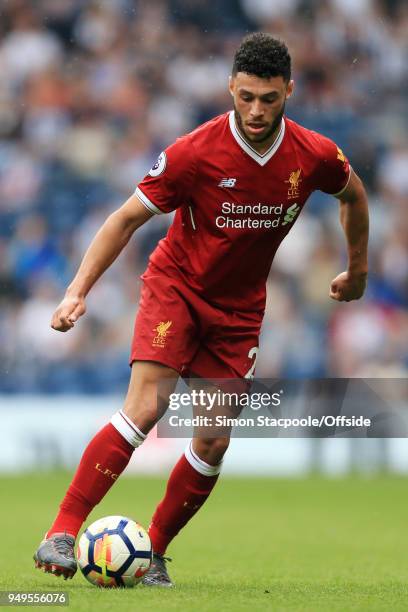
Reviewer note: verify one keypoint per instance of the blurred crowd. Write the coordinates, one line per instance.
(92, 91)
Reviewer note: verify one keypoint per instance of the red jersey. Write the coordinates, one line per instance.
(234, 205)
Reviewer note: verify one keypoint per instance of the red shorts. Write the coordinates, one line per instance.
(176, 327)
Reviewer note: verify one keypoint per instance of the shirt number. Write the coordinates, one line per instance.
(253, 353)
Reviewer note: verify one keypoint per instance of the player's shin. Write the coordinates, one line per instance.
(104, 459)
(188, 487)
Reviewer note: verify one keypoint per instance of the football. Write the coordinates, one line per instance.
(114, 551)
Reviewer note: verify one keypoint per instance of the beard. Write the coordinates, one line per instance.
(269, 132)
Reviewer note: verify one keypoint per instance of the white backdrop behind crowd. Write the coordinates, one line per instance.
(47, 433)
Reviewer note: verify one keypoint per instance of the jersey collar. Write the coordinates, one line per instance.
(260, 159)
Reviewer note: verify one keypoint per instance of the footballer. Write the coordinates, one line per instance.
(238, 184)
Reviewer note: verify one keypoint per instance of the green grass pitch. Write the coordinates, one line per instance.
(260, 544)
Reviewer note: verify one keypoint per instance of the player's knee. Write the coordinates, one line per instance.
(144, 408)
(211, 450)
(147, 397)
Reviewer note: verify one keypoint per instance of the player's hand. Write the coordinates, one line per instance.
(346, 287)
(67, 313)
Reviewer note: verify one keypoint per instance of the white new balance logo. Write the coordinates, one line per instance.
(227, 182)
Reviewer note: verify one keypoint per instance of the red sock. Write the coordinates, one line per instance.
(104, 459)
(187, 489)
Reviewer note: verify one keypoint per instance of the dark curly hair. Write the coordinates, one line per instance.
(264, 56)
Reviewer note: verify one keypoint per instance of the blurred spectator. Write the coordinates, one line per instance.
(27, 48)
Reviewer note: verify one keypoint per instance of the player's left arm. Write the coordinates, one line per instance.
(351, 284)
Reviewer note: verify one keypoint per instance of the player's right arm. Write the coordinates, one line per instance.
(108, 243)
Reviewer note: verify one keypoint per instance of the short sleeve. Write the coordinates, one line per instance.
(333, 172)
(169, 182)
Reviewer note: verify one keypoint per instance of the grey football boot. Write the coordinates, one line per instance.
(56, 555)
(157, 575)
